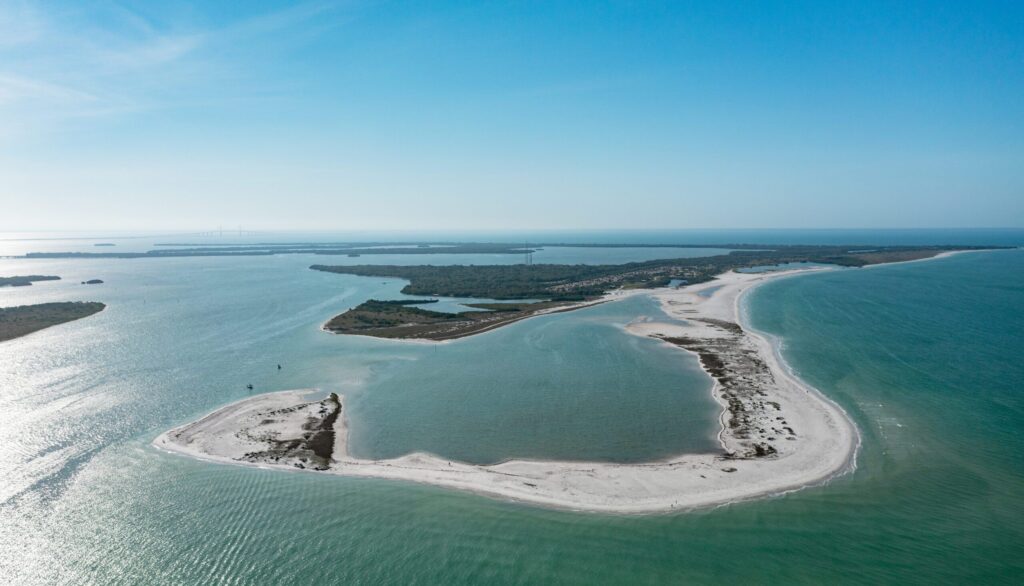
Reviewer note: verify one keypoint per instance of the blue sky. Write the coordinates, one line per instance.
(510, 115)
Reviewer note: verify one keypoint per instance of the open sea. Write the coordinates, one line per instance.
(925, 356)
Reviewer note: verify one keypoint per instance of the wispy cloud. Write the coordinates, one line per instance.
(13, 89)
(272, 22)
(20, 23)
(152, 52)
(103, 59)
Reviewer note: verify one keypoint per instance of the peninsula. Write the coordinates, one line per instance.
(399, 319)
(25, 280)
(560, 287)
(777, 433)
(25, 319)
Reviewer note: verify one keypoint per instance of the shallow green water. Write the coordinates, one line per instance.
(925, 356)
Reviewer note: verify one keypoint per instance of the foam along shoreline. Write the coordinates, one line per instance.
(810, 437)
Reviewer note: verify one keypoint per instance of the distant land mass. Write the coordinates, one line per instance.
(399, 319)
(350, 249)
(354, 249)
(578, 282)
(25, 319)
(25, 280)
(563, 287)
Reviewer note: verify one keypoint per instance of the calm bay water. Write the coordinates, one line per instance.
(565, 386)
(925, 356)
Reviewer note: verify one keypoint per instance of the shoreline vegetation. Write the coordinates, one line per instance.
(25, 280)
(25, 319)
(560, 287)
(400, 320)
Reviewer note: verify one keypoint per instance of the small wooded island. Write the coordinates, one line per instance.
(25, 280)
(25, 319)
(562, 287)
(400, 319)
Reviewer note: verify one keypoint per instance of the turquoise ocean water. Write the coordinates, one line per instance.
(925, 356)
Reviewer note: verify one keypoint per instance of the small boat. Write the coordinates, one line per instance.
(248, 387)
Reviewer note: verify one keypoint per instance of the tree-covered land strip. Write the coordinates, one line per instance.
(25, 280)
(269, 250)
(559, 285)
(386, 319)
(25, 319)
(406, 301)
(579, 282)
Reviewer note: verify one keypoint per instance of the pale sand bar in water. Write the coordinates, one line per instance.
(811, 439)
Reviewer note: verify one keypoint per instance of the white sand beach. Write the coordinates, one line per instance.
(804, 438)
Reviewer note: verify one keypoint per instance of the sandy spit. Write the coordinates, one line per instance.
(824, 445)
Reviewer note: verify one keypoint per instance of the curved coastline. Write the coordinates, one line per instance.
(776, 344)
(824, 445)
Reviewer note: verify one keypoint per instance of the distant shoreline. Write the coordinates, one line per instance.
(556, 287)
